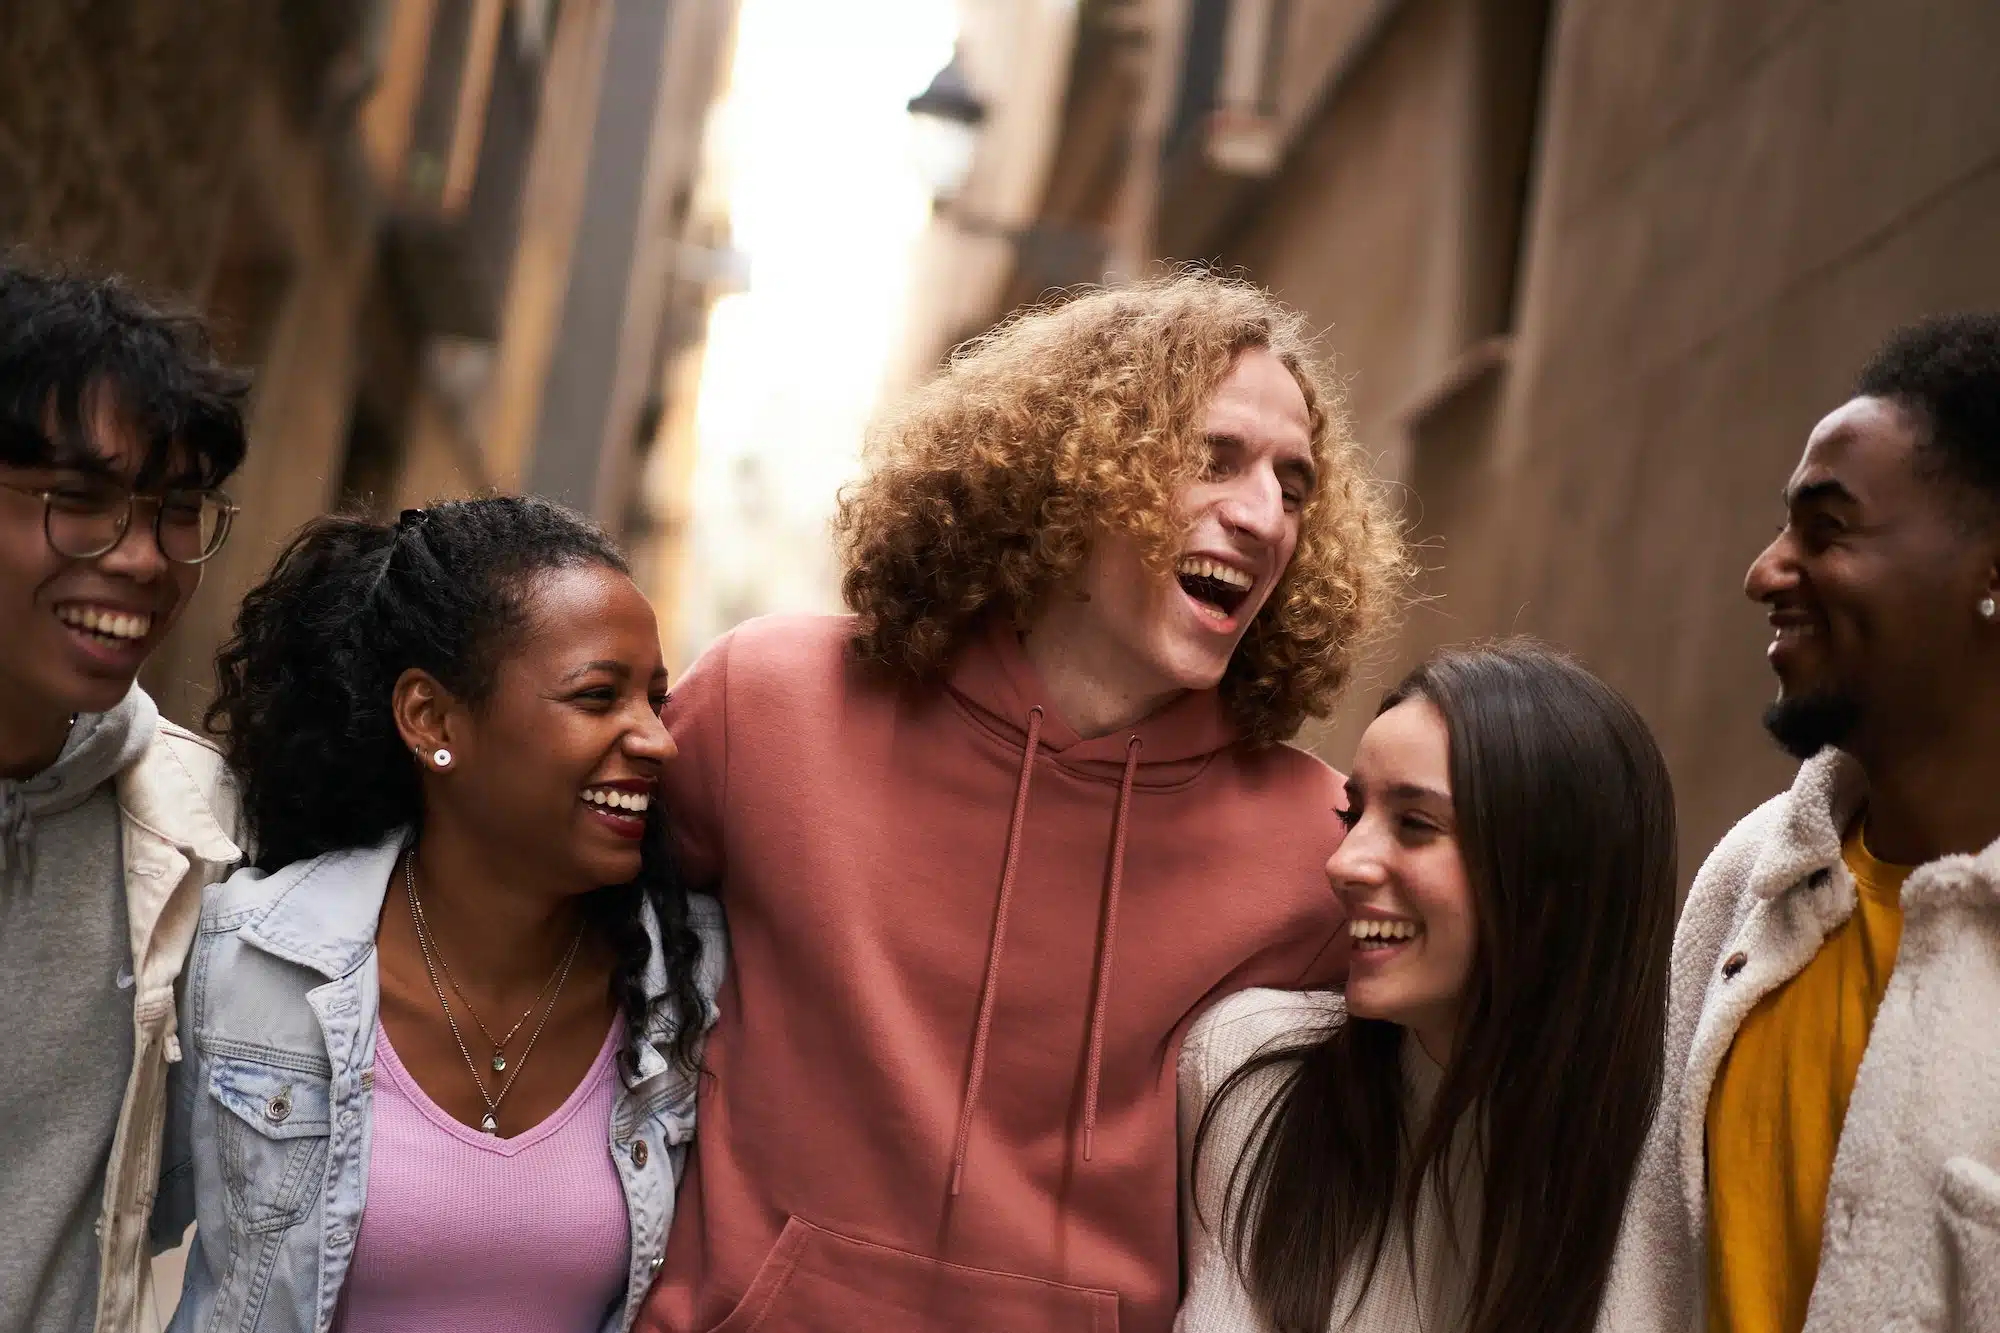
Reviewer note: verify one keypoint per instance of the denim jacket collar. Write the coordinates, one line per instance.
(324, 911)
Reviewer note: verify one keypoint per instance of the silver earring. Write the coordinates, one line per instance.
(441, 757)
(1987, 608)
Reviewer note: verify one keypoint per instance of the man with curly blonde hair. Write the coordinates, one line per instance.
(990, 845)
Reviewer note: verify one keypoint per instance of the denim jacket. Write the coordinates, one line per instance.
(269, 1124)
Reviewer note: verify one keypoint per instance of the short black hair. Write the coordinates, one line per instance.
(1945, 371)
(67, 337)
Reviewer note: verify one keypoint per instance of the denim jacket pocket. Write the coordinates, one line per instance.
(273, 1139)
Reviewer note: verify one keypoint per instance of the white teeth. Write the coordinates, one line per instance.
(1373, 928)
(611, 798)
(1202, 568)
(110, 624)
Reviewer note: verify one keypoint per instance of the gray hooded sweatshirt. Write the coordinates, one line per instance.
(65, 1015)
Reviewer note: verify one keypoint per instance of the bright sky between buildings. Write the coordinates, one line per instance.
(814, 140)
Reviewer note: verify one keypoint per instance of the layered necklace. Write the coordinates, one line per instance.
(434, 963)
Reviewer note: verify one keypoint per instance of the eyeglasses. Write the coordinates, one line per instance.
(85, 519)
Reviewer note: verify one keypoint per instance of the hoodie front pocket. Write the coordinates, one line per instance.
(818, 1281)
(272, 1139)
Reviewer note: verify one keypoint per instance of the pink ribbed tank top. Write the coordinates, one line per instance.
(466, 1233)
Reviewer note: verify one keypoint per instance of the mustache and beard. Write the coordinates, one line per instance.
(1808, 723)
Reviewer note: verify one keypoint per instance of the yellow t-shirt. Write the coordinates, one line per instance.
(1779, 1101)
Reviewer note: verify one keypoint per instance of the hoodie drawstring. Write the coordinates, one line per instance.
(17, 827)
(988, 991)
(17, 837)
(1107, 934)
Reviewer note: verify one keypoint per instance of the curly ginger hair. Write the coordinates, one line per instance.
(991, 483)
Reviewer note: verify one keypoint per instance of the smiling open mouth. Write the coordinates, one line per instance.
(106, 624)
(1215, 586)
(618, 803)
(1373, 933)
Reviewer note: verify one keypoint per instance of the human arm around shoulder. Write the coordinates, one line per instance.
(695, 784)
(1230, 1034)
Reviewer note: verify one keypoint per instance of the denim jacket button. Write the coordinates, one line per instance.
(639, 1152)
(654, 1266)
(278, 1108)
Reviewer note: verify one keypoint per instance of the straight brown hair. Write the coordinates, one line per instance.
(1565, 818)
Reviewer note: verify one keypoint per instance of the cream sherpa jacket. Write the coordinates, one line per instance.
(1912, 1237)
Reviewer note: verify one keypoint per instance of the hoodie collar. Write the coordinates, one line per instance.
(993, 676)
(99, 749)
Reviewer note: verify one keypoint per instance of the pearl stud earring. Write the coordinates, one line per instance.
(441, 757)
(1987, 608)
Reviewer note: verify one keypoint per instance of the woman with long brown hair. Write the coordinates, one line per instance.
(1448, 1146)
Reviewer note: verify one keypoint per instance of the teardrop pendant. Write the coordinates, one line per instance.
(499, 1062)
(488, 1125)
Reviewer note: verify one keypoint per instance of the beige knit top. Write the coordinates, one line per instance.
(1227, 1036)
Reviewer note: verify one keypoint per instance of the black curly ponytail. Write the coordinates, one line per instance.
(304, 700)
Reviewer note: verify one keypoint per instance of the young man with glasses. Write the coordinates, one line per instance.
(117, 428)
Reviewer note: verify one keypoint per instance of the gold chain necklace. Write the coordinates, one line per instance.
(489, 1123)
(499, 1044)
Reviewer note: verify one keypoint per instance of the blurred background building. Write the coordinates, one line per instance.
(1592, 271)
(462, 243)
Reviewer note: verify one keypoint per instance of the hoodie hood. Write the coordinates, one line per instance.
(100, 745)
(993, 677)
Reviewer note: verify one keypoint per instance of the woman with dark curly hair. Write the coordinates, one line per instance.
(440, 1042)
(990, 845)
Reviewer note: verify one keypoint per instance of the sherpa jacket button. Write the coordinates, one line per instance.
(1733, 965)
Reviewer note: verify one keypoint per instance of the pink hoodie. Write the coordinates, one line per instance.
(964, 947)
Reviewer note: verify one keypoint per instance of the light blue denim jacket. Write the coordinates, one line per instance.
(268, 1122)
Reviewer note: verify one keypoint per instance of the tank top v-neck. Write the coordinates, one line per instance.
(467, 1233)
